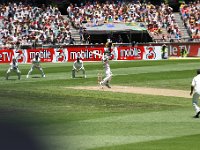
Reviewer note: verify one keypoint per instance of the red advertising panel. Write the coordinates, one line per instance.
(84, 53)
(6, 56)
(192, 49)
(46, 54)
(130, 53)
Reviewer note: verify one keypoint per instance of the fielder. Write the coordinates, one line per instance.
(36, 65)
(13, 67)
(77, 66)
(108, 73)
(195, 90)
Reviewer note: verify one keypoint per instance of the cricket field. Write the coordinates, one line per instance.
(62, 113)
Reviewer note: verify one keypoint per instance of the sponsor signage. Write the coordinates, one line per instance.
(6, 55)
(84, 53)
(69, 54)
(46, 55)
(193, 50)
(130, 53)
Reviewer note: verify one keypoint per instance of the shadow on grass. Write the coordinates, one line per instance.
(36, 77)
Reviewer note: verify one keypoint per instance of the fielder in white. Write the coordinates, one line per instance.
(36, 65)
(195, 90)
(108, 73)
(13, 67)
(77, 66)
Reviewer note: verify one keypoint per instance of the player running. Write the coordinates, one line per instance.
(36, 65)
(13, 67)
(195, 92)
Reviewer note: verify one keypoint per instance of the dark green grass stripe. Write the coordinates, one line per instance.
(190, 142)
(46, 98)
(45, 107)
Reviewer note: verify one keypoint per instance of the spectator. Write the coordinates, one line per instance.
(96, 14)
(30, 24)
(191, 17)
(72, 40)
(81, 33)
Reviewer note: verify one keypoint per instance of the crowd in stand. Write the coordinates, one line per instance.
(26, 24)
(157, 18)
(191, 17)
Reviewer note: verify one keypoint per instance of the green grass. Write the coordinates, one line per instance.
(183, 143)
(65, 118)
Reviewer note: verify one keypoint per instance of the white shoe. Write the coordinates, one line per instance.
(27, 76)
(85, 76)
(101, 84)
(43, 76)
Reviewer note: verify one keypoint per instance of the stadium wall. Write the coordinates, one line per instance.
(119, 52)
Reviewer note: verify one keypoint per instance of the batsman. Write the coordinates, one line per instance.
(108, 73)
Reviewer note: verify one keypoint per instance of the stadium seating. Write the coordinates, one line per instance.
(159, 19)
(30, 25)
(191, 17)
(27, 25)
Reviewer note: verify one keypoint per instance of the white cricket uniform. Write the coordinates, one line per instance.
(36, 64)
(196, 93)
(77, 66)
(108, 72)
(115, 53)
(13, 67)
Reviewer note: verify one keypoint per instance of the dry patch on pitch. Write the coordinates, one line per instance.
(138, 90)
